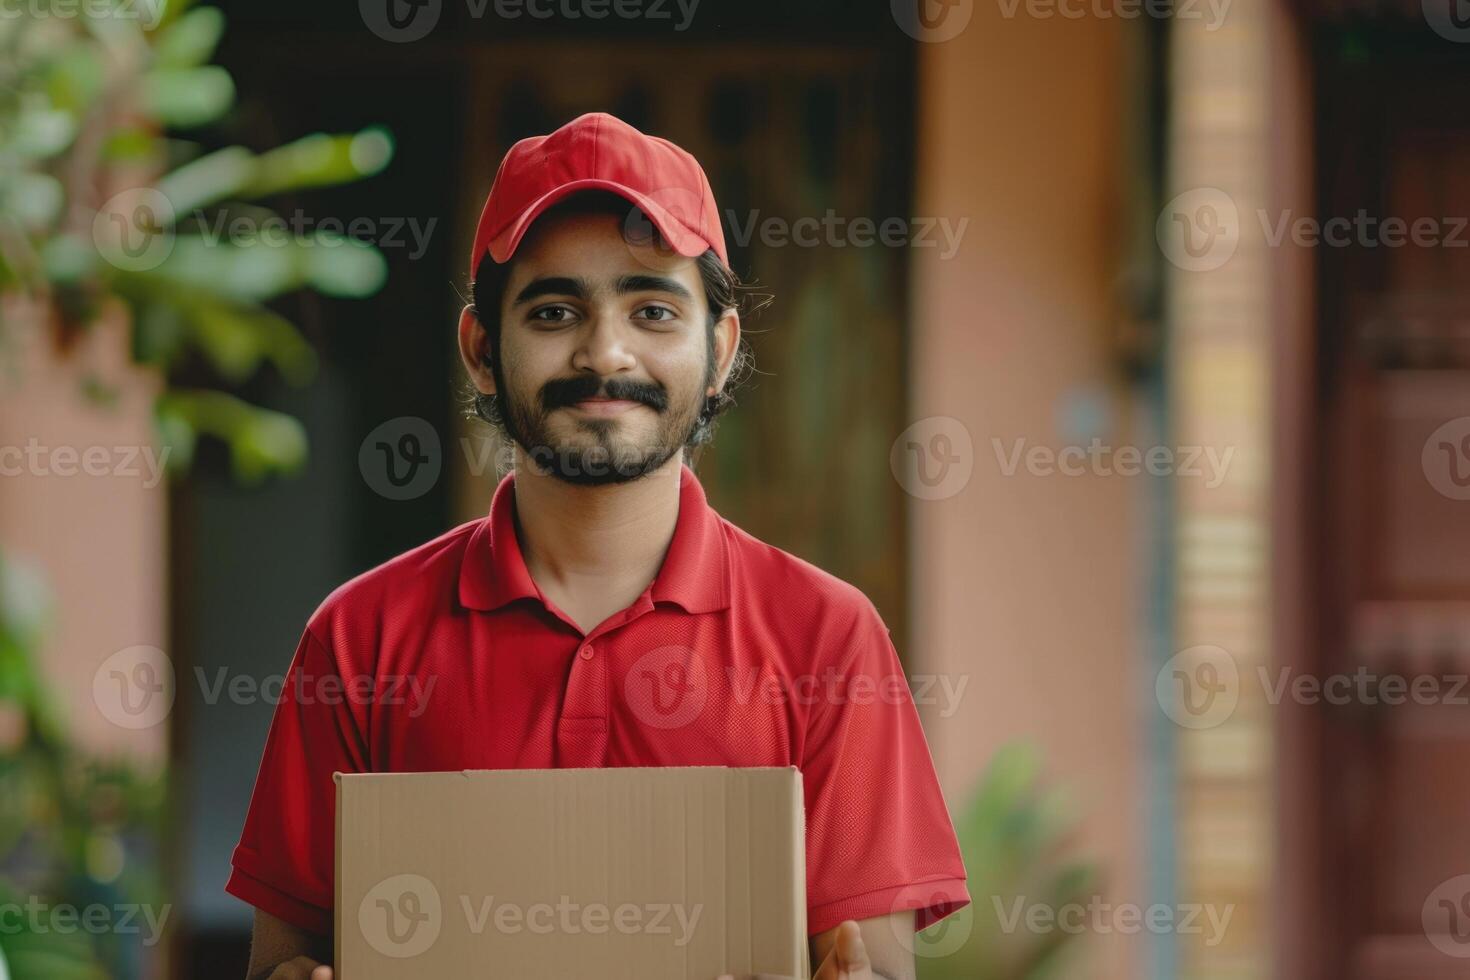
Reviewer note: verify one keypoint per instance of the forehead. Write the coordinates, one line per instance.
(596, 248)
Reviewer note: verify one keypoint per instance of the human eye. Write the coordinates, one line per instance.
(655, 313)
(553, 314)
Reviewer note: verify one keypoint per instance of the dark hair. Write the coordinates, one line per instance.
(723, 291)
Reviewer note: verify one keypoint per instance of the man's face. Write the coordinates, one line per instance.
(605, 356)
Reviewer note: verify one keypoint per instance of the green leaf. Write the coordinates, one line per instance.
(261, 442)
(213, 177)
(274, 263)
(190, 39)
(186, 97)
(34, 200)
(40, 131)
(320, 160)
(75, 77)
(235, 337)
(131, 144)
(339, 266)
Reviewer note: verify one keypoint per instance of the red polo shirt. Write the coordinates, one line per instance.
(449, 657)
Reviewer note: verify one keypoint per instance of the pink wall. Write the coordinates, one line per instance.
(97, 539)
(1031, 584)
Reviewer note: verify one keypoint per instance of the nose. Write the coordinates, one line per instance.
(603, 346)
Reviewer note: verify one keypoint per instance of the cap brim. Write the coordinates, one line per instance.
(679, 237)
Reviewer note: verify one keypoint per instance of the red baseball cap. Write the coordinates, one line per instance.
(598, 151)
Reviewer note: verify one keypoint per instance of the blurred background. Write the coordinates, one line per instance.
(1120, 351)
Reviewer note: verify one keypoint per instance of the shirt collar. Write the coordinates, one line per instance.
(694, 574)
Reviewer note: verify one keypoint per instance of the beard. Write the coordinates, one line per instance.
(600, 451)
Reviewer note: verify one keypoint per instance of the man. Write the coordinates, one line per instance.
(602, 589)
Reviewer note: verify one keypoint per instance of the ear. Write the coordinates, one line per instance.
(474, 351)
(727, 342)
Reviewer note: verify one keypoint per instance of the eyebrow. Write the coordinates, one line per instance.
(578, 287)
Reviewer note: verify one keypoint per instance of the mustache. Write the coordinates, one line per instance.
(564, 392)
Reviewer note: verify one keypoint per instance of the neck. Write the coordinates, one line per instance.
(616, 533)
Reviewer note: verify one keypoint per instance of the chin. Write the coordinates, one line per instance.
(580, 464)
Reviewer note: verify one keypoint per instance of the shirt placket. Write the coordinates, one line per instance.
(581, 732)
(583, 729)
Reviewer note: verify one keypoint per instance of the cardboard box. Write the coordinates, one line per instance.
(563, 874)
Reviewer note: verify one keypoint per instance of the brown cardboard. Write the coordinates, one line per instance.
(563, 874)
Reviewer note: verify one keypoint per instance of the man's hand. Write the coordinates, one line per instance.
(280, 951)
(846, 959)
(299, 968)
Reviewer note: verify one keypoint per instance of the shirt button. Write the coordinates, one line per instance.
(587, 653)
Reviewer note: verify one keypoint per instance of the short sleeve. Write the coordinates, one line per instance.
(284, 863)
(879, 837)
